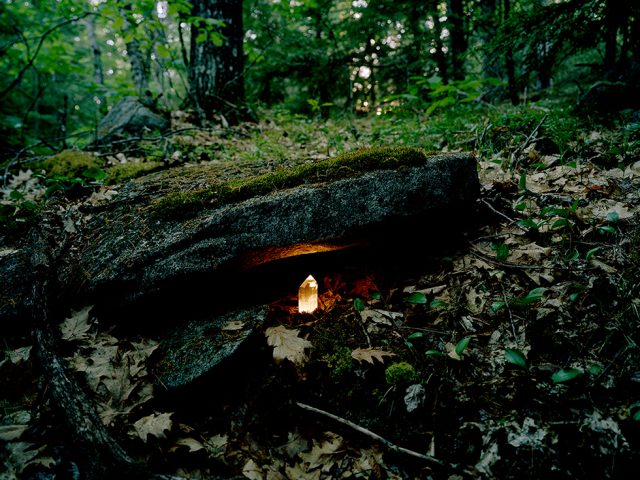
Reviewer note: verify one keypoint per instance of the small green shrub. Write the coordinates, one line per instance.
(400, 373)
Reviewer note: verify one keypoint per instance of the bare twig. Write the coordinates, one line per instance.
(506, 304)
(498, 212)
(487, 258)
(370, 434)
(423, 329)
(528, 140)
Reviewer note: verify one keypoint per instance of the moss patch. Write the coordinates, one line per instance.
(184, 204)
(126, 171)
(69, 164)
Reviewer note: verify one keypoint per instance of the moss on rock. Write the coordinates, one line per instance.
(183, 204)
(127, 171)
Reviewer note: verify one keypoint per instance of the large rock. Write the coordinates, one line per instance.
(193, 259)
(135, 254)
(129, 117)
(132, 257)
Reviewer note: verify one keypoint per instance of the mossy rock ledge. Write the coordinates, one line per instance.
(182, 234)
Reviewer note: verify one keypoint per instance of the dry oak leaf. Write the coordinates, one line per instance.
(287, 345)
(153, 425)
(369, 354)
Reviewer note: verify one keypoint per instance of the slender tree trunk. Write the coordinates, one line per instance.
(510, 64)
(139, 68)
(489, 18)
(634, 33)
(458, 38)
(441, 58)
(98, 71)
(415, 62)
(62, 121)
(612, 23)
(216, 77)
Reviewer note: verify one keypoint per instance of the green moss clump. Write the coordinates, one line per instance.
(340, 362)
(350, 164)
(126, 171)
(69, 164)
(400, 373)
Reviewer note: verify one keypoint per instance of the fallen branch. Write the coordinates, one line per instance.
(370, 434)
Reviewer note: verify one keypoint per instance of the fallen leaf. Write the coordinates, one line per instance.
(320, 454)
(287, 345)
(602, 266)
(19, 355)
(414, 397)
(370, 354)
(9, 433)
(216, 445)
(299, 472)
(154, 425)
(380, 316)
(69, 225)
(77, 326)
(233, 326)
(252, 471)
(191, 443)
(102, 196)
(606, 206)
(296, 443)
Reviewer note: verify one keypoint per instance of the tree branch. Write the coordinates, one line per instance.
(16, 81)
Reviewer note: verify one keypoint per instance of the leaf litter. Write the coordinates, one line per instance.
(490, 409)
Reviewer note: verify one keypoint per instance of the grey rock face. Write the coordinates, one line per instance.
(195, 348)
(136, 256)
(129, 117)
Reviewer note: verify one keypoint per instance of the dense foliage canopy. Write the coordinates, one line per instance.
(67, 62)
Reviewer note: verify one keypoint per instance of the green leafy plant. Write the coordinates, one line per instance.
(515, 357)
(565, 375)
(462, 345)
(417, 298)
(533, 296)
(502, 251)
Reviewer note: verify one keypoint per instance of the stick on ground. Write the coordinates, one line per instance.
(370, 434)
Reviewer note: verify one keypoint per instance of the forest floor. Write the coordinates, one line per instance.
(514, 352)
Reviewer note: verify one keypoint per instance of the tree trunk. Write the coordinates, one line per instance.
(139, 68)
(510, 64)
(441, 58)
(612, 23)
(216, 77)
(458, 38)
(489, 18)
(98, 71)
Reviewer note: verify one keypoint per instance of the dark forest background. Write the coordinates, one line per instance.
(65, 63)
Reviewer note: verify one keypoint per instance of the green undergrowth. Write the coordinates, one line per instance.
(184, 204)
